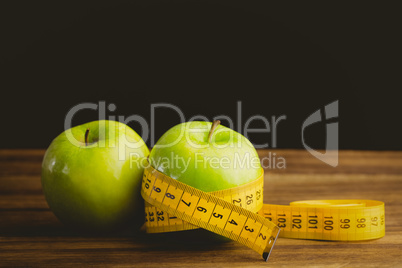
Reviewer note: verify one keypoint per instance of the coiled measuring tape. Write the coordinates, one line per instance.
(239, 214)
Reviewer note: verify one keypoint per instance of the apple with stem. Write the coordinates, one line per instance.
(207, 156)
(91, 176)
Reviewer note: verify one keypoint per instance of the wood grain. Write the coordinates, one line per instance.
(30, 235)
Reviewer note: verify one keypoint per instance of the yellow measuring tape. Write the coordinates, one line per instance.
(239, 214)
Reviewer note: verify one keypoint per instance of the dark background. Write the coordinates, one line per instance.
(289, 59)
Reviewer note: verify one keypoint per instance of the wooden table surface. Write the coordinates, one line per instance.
(30, 235)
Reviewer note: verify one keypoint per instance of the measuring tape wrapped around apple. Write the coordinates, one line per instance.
(203, 175)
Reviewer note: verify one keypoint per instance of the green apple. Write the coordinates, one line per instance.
(207, 156)
(90, 176)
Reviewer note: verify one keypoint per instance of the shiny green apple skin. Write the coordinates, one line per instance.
(93, 186)
(182, 141)
(227, 146)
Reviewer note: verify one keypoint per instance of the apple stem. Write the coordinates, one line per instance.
(213, 127)
(86, 137)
